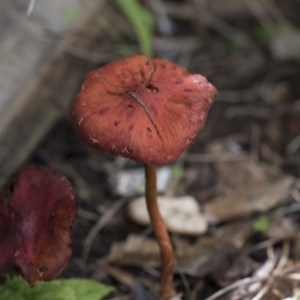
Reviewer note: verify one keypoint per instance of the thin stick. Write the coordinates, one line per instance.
(30, 8)
(140, 102)
(161, 233)
(102, 221)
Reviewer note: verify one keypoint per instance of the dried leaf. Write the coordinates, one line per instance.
(236, 173)
(181, 215)
(245, 201)
(135, 251)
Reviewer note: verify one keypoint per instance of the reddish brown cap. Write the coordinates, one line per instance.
(35, 225)
(149, 110)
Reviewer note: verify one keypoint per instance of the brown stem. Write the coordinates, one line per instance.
(161, 233)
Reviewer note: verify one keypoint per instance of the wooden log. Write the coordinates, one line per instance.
(40, 80)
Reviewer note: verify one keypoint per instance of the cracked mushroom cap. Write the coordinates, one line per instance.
(35, 225)
(149, 110)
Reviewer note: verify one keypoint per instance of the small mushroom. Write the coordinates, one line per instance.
(35, 225)
(149, 110)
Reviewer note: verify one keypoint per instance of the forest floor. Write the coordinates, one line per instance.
(243, 169)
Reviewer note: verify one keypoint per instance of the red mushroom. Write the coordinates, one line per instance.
(149, 110)
(35, 225)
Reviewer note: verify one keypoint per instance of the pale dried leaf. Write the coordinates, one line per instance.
(236, 173)
(245, 201)
(135, 251)
(181, 215)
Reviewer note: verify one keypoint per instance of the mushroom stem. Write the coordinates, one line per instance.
(161, 233)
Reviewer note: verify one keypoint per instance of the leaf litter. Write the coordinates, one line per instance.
(243, 170)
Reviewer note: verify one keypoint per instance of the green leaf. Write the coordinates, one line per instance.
(237, 42)
(142, 20)
(141, 188)
(261, 224)
(177, 172)
(263, 35)
(70, 14)
(59, 289)
(16, 288)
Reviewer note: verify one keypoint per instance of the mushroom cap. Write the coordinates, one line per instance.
(149, 110)
(35, 225)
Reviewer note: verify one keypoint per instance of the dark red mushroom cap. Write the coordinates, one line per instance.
(149, 110)
(35, 225)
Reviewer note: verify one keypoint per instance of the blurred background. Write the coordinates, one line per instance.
(247, 158)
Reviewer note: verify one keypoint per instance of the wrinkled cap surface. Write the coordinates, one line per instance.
(149, 110)
(35, 225)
